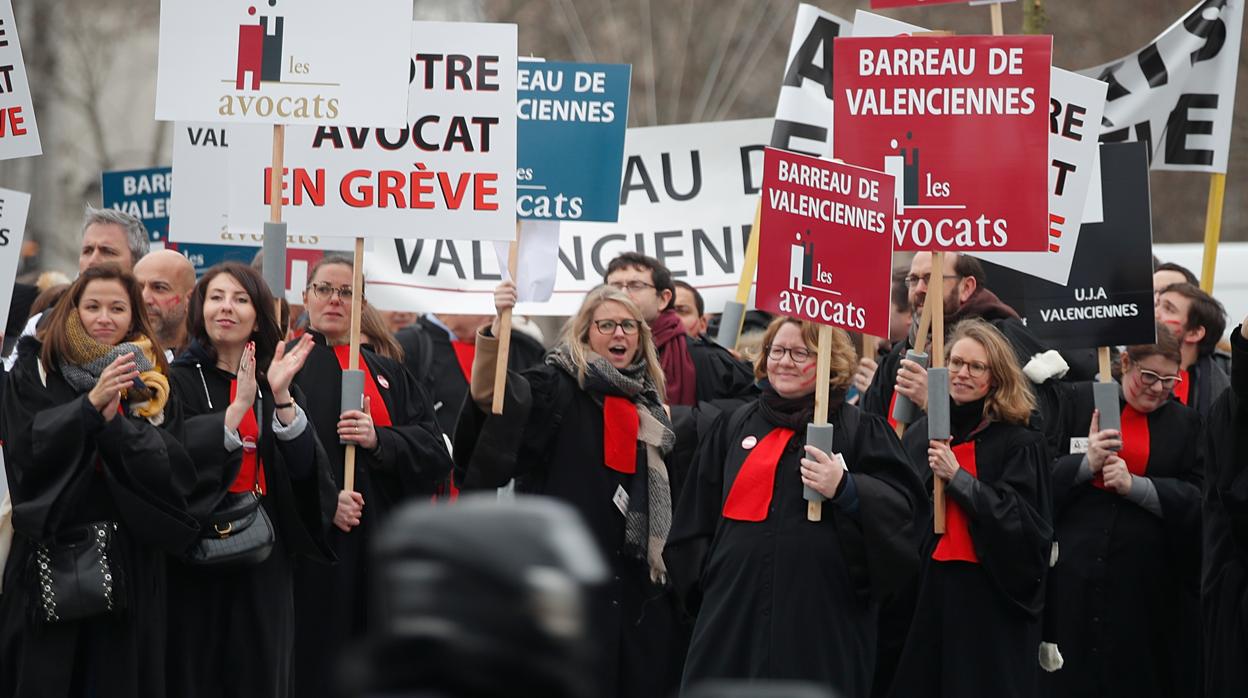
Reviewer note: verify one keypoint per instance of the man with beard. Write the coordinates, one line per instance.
(167, 279)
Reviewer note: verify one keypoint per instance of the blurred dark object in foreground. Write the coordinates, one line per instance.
(758, 689)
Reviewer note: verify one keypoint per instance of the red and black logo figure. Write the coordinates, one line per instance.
(259, 51)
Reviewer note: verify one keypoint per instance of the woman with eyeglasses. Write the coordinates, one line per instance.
(246, 428)
(590, 427)
(976, 625)
(778, 596)
(1123, 594)
(400, 454)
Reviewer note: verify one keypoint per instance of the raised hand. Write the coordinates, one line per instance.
(116, 377)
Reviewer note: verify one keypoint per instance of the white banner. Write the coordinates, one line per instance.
(688, 198)
(451, 173)
(284, 62)
(1178, 93)
(13, 208)
(19, 134)
(199, 197)
(804, 109)
(1075, 108)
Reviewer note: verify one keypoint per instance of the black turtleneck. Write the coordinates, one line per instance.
(964, 419)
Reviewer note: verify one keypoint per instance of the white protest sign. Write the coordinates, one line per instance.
(688, 198)
(537, 259)
(19, 134)
(1178, 93)
(1076, 105)
(804, 110)
(284, 61)
(199, 198)
(13, 208)
(451, 173)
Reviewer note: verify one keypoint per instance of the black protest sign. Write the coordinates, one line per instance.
(1109, 298)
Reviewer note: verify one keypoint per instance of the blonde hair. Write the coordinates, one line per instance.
(576, 336)
(1009, 398)
(374, 326)
(844, 358)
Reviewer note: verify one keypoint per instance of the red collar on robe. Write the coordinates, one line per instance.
(956, 543)
(376, 406)
(252, 471)
(1135, 444)
(750, 496)
(1183, 389)
(464, 354)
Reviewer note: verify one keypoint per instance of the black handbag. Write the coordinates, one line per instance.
(238, 532)
(78, 574)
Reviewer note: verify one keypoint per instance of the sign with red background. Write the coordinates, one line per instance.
(825, 254)
(961, 123)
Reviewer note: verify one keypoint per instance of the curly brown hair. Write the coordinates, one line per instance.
(844, 358)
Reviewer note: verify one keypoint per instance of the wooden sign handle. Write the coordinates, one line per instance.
(353, 356)
(936, 301)
(998, 21)
(504, 332)
(1105, 375)
(275, 201)
(823, 374)
(920, 343)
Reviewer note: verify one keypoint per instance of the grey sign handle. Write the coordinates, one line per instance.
(819, 436)
(904, 409)
(730, 324)
(938, 404)
(1105, 397)
(352, 391)
(275, 258)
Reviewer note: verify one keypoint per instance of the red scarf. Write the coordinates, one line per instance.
(750, 496)
(892, 404)
(620, 425)
(956, 543)
(1135, 444)
(376, 406)
(249, 432)
(1183, 389)
(673, 346)
(464, 354)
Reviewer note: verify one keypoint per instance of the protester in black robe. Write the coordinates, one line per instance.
(234, 631)
(589, 427)
(1224, 589)
(438, 352)
(400, 454)
(1122, 597)
(81, 446)
(777, 596)
(976, 625)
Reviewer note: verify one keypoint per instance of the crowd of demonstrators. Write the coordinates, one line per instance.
(399, 454)
(774, 596)
(439, 350)
(100, 485)
(590, 426)
(696, 370)
(1197, 320)
(976, 624)
(1122, 602)
(247, 431)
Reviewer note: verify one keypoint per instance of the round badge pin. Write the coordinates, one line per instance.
(749, 442)
(381, 380)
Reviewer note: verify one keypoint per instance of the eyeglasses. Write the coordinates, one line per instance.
(631, 286)
(977, 369)
(913, 280)
(607, 327)
(799, 355)
(325, 291)
(1151, 378)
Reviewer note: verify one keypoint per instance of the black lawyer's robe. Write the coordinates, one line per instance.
(976, 626)
(786, 598)
(54, 439)
(721, 378)
(550, 439)
(1224, 582)
(411, 458)
(234, 627)
(430, 358)
(1122, 600)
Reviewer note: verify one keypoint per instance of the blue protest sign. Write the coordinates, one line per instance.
(571, 121)
(143, 194)
(205, 256)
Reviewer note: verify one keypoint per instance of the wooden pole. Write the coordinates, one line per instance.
(869, 346)
(1105, 375)
(920, 343)
(748, 266)
(504, 332)
(275, 202)
(936, 301)
(353, 356)
(998, 22)
(823, 373)
(1213, 230)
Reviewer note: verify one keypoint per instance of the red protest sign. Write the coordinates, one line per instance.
(883, 4)
(962, 125)
(825, 254)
